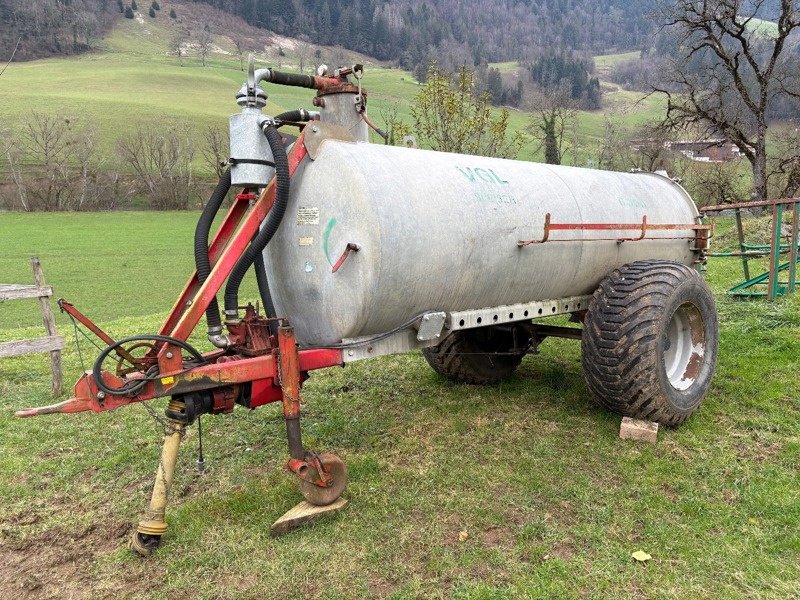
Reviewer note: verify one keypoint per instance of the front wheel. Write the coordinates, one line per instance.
(650, 341)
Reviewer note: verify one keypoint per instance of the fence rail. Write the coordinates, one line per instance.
(52, 343)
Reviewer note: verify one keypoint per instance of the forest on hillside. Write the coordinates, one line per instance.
(454, 32)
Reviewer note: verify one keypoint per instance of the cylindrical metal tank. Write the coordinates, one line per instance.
(439, 232)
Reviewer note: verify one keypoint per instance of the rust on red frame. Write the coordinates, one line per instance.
(642, 227)
(225, 372)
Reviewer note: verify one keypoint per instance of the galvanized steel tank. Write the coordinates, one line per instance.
(440, 231)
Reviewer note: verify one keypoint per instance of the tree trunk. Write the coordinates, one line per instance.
(760, 165)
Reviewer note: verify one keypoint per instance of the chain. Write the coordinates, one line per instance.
(157, 418)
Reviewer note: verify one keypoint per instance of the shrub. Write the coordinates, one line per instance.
(172, 13)
(133, 5)
(121, 6)
(152, 12)
(155, 5)
(128, 12)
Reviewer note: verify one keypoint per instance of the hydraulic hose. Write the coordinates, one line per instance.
(201, 259)
(263, 237)
(300, 115)
(266, 295)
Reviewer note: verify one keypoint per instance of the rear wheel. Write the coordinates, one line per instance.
(650, 341)
(483, 355)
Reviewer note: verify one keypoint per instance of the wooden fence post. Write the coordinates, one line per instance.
(49, 325)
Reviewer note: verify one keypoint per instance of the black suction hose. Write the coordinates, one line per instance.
(291, 79)
(300, 115)
(260, 241)
(266, 295)
(201, 233)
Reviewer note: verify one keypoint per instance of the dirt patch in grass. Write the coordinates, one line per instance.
(561, 551)
(58, 563)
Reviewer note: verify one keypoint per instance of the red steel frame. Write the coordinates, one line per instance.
(229, 243)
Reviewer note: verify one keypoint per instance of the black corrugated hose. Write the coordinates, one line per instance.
(256, 247)
(299, 115)
(201, 233)
(291, 79)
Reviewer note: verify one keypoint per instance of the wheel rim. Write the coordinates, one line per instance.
(684, 346)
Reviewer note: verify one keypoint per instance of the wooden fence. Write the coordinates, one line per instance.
(53, 343)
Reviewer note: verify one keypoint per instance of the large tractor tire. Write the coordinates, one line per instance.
(479, 356)
(650, 341)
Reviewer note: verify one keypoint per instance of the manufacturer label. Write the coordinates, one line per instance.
(306, 241)
(308, 215)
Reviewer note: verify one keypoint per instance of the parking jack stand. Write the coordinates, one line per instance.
(148, 533)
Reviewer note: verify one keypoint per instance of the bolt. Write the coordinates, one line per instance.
(369, 348)
(101, 395)
(189, 303)
(169, 355)
(315, 129)
(350, 353)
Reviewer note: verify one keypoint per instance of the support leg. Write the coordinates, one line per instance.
(322, 477)
(148, 533)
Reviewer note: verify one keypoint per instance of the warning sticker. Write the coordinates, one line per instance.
(167, 380)
(308, 215)
(306, 241)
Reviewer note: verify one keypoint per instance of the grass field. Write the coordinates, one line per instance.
(520, 490)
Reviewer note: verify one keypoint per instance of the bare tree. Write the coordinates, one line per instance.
(204, 44)
(45, 146)
(177, 45)
(717, 183)
(728, 72)
(215, 151)
(784, 176)
(553, 113)
(162, 161)
(239, 45)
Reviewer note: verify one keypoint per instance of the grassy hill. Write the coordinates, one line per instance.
(136, 81)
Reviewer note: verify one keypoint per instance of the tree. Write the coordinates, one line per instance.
(451, 116)
(155, 5)
(162, 161)
(121, 6)
(172, 14)
(178, 44)
(717, 183)
(128, 12)
(133, 5)
(204, 43)
(494, 85)
(152, 12)
(239, 45)
(215, 151)
(553, 113)
(727, 72)
(784, 174)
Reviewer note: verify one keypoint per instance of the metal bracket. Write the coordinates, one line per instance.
(467, 319)
(431, 325)
(315, 134)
